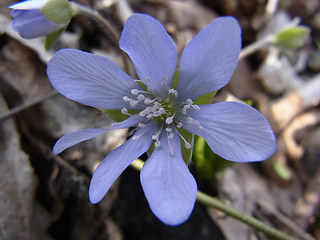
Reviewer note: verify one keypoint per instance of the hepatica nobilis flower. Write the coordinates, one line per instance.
(29, 19)
(163, 108)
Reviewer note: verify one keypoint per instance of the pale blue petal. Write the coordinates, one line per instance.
(209, 59)
(234, 131)
(29, 4)
(151, 50)
(167, 183)
(74, 138)
(32, 24)
(90, 79)
(118, 160)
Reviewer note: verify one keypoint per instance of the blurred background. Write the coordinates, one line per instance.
(45, 197)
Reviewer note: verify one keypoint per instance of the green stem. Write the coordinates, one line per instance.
(232, 212)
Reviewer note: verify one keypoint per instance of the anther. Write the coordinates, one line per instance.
(135, 91)
(126, 99)
(168, 129)
(156, 104)
(196, 107)
(189, 119)
(156, 114)
(148, 101)
(187, 145)
(133, 103)
(141, 97)
(174, 92)
(171, 151)
(124, 111)
(197, 124)
(170, 135)
(131, 132)
(161, 110)
(186, 107)
(169, 120)
(157, 143)
(189, 101)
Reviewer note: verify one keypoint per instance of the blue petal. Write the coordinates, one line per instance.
(167, 183)
(90, 79)
(74, 138)
(234, 131)
(151, 50)
(209, 59)
(32, 24)
(118, 160)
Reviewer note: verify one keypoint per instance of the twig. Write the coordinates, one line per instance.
(112, 33)
(26, 105)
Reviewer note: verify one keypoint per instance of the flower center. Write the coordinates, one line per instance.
(169, 112)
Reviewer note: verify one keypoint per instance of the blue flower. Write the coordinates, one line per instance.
(29, 22)
(235, 131)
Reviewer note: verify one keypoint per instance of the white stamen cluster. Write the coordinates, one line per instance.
(168, 111)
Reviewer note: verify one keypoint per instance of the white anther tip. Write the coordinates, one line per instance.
(187, 145)
(157, 143)
(135, 91)
(169, 120)
(124, 111)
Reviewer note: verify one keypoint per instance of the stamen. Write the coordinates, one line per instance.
(186, 144)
